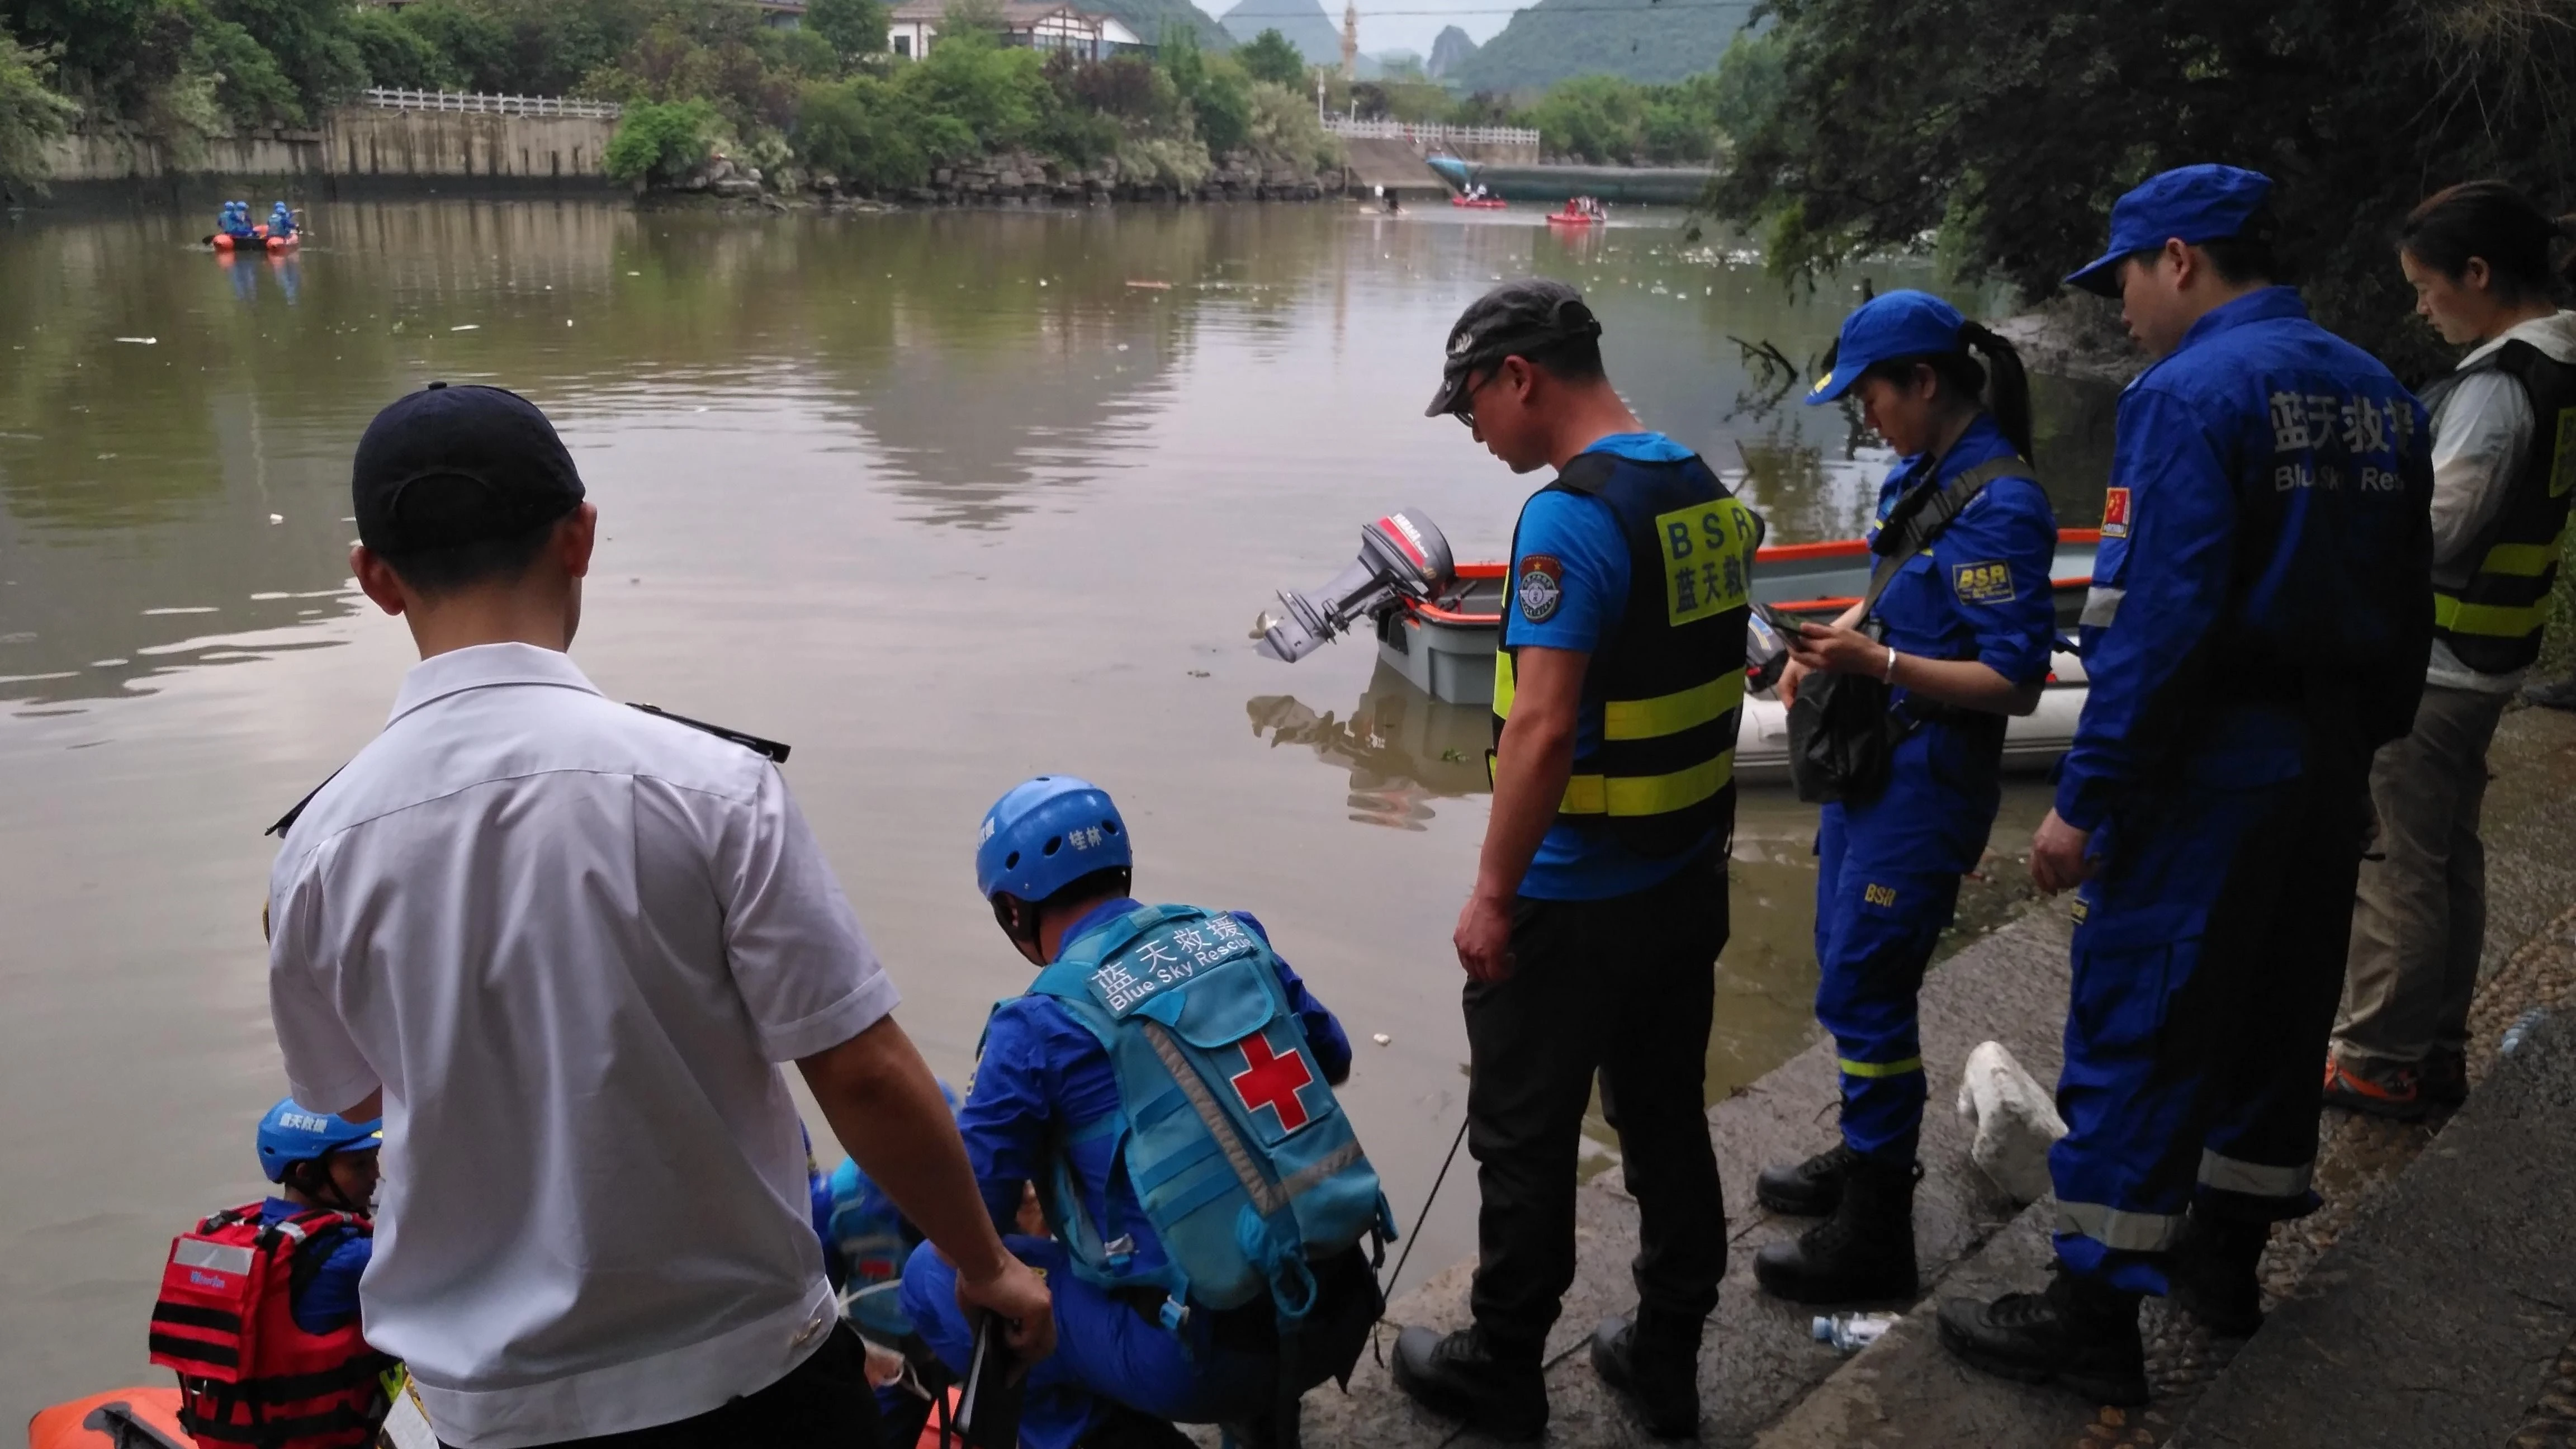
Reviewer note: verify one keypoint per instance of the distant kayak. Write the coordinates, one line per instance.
(1575, 218)
(1480, 203)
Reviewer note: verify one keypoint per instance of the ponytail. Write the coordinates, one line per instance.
(2008, 386)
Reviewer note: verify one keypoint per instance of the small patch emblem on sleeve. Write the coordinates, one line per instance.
(2115, 513)
(1982, 583)
(1542, 587)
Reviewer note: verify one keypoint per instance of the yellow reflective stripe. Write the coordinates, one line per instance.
(1502, 684)
(2501, 621)
(1670, 714)
(1585, 795)
(2522, 560)
(1631, 795)
(1907, 1067)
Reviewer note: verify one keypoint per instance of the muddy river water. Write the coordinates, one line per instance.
(942, 500)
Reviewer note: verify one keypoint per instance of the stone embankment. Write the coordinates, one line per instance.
(353, 151)
(2430, 1303)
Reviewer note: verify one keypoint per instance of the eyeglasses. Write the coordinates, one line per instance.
(1465, 411)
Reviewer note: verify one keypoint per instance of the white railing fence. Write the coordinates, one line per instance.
(1431, 134)
(476, 103)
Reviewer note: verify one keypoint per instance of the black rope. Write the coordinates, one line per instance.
(1386, 1290)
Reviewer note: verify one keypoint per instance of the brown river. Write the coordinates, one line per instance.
(943, 500)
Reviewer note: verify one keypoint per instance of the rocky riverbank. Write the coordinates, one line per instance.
(1020, 179)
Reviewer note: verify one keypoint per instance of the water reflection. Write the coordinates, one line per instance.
(1403, 748)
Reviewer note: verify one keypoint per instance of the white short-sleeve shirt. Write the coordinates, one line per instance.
(571, 942)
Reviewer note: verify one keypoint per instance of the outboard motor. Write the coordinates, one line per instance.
(1402, 556)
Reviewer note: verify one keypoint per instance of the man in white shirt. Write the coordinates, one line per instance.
(564, 944)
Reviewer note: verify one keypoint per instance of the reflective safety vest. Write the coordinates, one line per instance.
(2492, 621)
(1668, 687)
(248, 1374)
(1244, 1163)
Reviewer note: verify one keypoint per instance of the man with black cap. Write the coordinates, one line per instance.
(2258, 625)
(563, 944)
(1591, 936)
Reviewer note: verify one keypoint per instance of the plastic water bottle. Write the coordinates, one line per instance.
(2515, 1034)
(1849, 1333)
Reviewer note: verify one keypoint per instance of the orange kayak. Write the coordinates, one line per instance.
(117, 1419)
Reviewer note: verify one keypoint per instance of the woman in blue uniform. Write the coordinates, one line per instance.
(1960, 637)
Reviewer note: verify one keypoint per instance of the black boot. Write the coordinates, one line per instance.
(1865, 1251)
(2080, 1334)
(1657, 1369)
(1496, 1388)
(1808, 1189)
(2212, 1273)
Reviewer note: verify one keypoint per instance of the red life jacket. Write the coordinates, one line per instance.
(248, 1375)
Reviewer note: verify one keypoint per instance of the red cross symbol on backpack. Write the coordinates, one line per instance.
(1272, 1081)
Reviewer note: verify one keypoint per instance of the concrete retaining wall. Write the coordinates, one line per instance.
(1392, 163)
(361, 148)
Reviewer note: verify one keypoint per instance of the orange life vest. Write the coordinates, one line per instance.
(248, 1374)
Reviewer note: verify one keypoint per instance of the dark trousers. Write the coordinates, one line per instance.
(823, 1403)
(1622, 988)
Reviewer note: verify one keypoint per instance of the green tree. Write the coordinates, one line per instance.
(308, 41)
(30, 113)
(854, 27)
(2012, 130)
(1269, 57)
(661, 142)
(399, 55)
(249, 86)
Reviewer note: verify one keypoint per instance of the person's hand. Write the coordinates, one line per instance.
(1484, 938)
(1844, 651)
(884, 1365)
(1790, 674)
(1020, 1298)
(2057, 858)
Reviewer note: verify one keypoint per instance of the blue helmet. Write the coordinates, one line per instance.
(1046, 834)
(289, 1134)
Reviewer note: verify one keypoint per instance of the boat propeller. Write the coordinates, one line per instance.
(1402, 556)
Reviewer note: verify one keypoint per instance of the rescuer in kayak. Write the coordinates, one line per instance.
(277, 1280)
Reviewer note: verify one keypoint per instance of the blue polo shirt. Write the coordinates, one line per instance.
(1576, 863)
(329, 1299)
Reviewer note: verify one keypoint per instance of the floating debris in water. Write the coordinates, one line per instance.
(466, 327)
(1381, 1038)
(141, 341)
(1150, 286)
(277, 518)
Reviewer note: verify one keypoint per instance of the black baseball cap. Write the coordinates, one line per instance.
(447, 466)
(1522, 319)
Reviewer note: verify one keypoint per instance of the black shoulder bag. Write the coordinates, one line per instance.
(1842, 733)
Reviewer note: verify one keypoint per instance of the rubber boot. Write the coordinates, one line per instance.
(1864, 1252)
(1806, 1189)
(1654, 1364)
(1493, 1387)
(2080, 1334)
(2212, 1273)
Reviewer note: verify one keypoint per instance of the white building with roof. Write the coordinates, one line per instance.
(914, 27)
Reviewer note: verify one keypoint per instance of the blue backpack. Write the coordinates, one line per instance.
(1245, 1165)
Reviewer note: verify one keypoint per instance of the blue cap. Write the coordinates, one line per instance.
(1888, 327)
(2190, 203)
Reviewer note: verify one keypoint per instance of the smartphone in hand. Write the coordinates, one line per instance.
(988, 1410)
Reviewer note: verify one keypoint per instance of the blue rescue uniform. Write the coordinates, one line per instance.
(328, 1298)
(2258, 624)
(1888, 868)
(1040, 1076)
